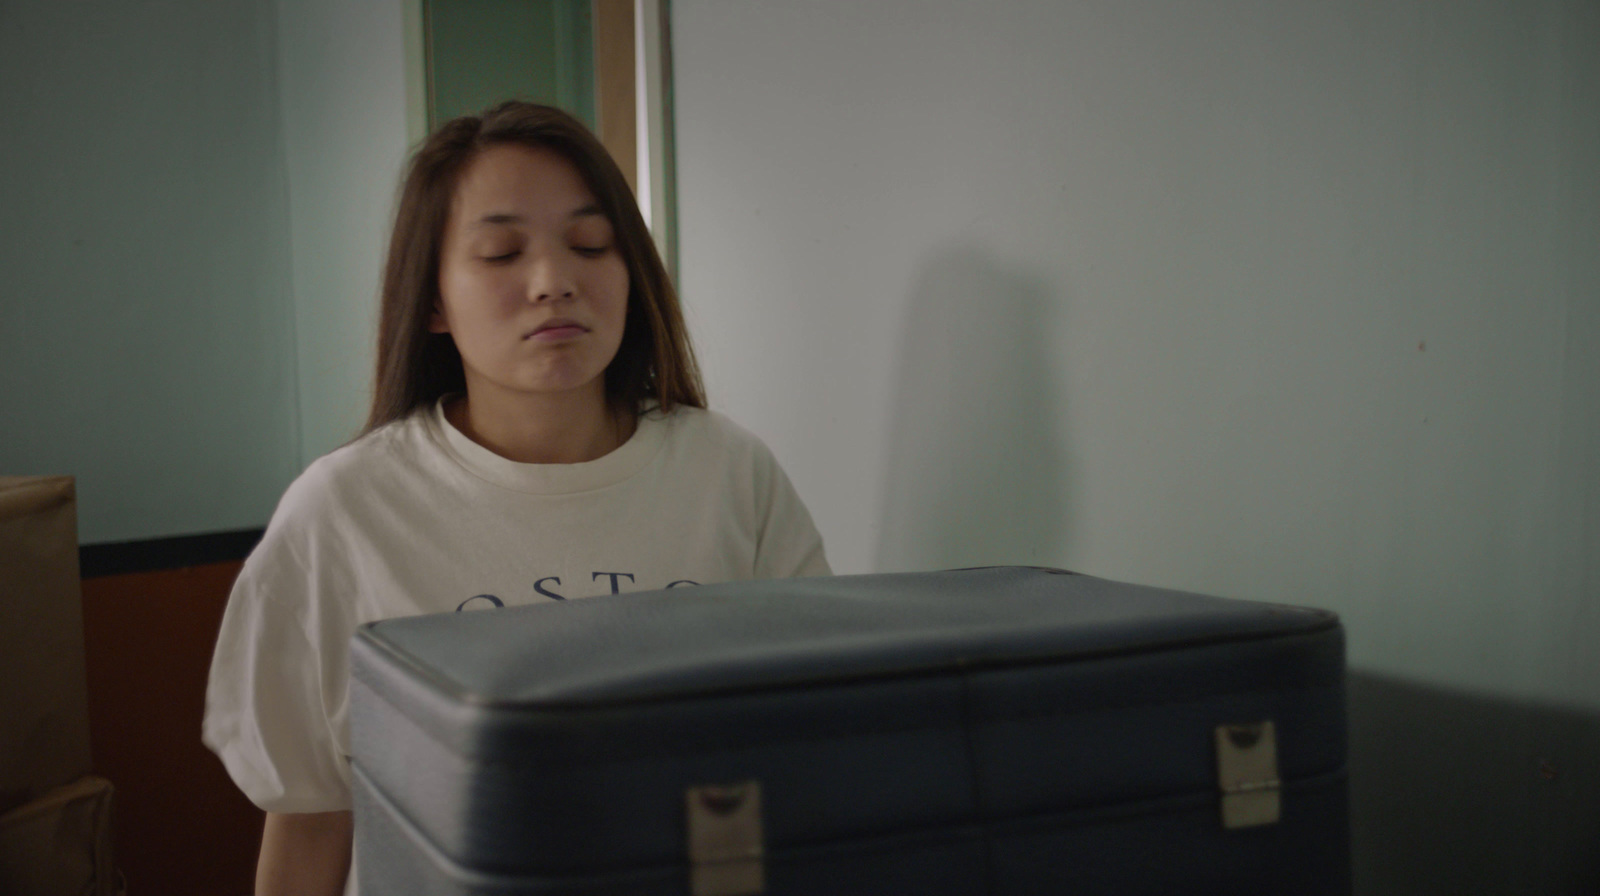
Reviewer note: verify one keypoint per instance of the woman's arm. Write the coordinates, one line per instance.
(304, 854)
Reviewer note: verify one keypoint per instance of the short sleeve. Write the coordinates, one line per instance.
(274, 700)
(789, 545)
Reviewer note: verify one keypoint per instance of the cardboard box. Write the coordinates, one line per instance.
(44, 743)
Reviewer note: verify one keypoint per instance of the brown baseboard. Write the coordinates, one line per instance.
(155, 554)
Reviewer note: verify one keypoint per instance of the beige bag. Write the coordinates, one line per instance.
(44, 741)
(60, 844)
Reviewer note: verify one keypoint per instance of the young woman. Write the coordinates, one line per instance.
(538, 432)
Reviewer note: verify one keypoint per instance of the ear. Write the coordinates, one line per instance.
(436, 321)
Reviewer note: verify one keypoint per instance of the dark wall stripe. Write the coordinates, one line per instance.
(115, 558)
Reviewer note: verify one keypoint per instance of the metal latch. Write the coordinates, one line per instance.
(1247, 774)
(726, 856)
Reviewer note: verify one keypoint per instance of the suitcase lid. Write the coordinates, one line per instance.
(762, 635)
(564, 739)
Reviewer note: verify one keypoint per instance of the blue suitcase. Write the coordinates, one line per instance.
(989, 731)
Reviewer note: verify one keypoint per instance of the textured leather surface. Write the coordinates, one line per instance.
(1014, 712)
(750, 635)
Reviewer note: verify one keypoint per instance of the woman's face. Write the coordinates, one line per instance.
(533, 288)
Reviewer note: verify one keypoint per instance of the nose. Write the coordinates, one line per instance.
(550, 278)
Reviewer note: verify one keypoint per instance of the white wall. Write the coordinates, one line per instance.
(1285, 301)
(146, 340)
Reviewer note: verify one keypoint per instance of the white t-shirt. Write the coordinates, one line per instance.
(417, 518)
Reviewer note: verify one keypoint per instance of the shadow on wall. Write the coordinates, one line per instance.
(1456, 793)
(976, 469)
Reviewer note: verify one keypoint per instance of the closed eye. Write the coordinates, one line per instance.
(591, 251)
(502, 259)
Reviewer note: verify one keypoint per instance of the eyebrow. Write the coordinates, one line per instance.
(590, 210)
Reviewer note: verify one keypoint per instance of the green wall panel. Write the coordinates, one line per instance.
(481, 52)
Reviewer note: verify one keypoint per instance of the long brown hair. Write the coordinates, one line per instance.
(654, 364)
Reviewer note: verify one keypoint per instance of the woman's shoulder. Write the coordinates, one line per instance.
(371, 463)
(368, 453)
(713, 439)
(709, 428)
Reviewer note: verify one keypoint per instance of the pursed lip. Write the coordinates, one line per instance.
(556, 323)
